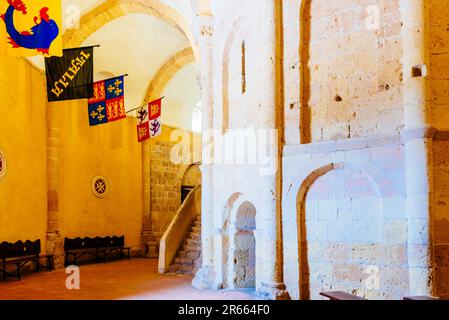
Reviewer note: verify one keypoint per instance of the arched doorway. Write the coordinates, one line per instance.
(239, 246)
(244, 253)
(190, 180)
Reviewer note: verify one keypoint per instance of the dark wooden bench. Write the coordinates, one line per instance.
(420, 298)
(19, 254)
(340, 295)
(99, 248)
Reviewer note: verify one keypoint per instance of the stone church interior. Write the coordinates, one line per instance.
(303, 152)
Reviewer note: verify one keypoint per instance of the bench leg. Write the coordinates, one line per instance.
(38, 264)
(50, 263)
(4, 269)
(19, 277)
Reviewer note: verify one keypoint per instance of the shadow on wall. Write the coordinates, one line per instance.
(304, 54)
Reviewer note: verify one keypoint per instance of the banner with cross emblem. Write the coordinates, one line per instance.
(149, 123)
(108, 102)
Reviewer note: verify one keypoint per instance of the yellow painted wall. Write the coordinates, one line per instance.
(112, 151)
(23, 134)
(109, 150)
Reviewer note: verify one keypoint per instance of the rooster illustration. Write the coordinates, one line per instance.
(40, 37)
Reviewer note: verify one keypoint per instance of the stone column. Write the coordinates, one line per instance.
(54, 242)
(417, 135)
(270, 243)
(269, 234)
(205, 277)
(149, 244)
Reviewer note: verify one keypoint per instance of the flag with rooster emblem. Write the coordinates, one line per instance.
(108, 102)
(32, 27)
(149, 123)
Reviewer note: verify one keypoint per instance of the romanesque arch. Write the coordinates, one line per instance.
(113, 9)
(340, 218)
(175, 63)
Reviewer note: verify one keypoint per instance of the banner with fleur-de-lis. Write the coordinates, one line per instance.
(108, 102)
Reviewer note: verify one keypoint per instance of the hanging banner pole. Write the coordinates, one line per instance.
(85, 47)
(134, 109)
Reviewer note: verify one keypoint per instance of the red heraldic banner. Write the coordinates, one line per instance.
(155, 109)
(149, 120)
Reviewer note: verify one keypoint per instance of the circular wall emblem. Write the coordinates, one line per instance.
(2, 165)
(100, 187)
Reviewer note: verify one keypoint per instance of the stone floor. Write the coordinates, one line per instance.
(136, 279)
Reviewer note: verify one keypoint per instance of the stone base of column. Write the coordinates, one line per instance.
(150, 245)
(421, 281)
(205, 279)
(55, 246)
(275, 291)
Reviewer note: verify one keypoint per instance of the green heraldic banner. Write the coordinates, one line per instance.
(71, 76)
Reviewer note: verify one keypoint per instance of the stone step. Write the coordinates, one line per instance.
(193, 242)
(183, 260)
(188, 259)
(194, 254)
(181, 268)
(195, 235)
(186, 267)
(186, 272)
(191, 247)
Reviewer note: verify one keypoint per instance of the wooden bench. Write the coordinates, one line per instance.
(340, 295)
(99, 248)
(420, 298)
(19, 254)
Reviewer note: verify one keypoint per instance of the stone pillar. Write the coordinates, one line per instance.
(205, 277)
(418, 136)
(149, 244)
(269, 241)
(54, 242)
(269, 234)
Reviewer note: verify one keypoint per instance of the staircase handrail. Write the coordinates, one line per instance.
(178, 229)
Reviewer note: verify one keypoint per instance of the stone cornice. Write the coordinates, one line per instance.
(368, 142)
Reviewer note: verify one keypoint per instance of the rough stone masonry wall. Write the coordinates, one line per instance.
(439, 62)
(352, 71)
(165, 193)
(166, 178)
(438, 73)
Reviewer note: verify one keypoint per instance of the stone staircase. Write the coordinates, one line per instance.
(188, 258)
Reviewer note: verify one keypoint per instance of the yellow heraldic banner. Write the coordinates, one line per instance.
(31, 27)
